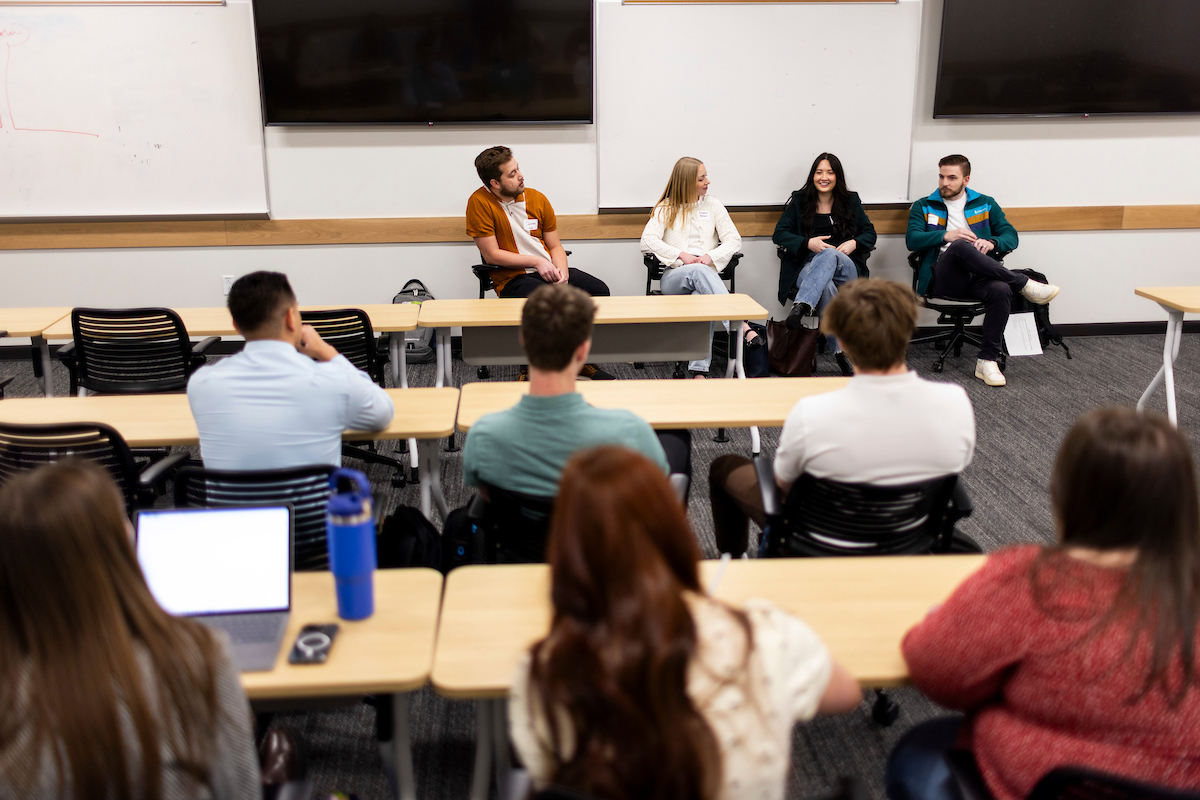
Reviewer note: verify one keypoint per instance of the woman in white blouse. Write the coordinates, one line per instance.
(645, 685)
(694, 238)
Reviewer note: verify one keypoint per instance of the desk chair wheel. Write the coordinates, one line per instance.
(680, 370)
(483, 373)
(885, 711)
(721, 437)
(399, 481)
(938, 366)
(639, 365)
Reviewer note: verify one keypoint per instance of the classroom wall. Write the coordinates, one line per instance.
(315, 173)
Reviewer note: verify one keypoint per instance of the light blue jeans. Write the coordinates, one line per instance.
(689, 279)
(820, 278)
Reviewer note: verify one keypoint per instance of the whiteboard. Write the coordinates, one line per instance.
(130, 111)
(755, 92)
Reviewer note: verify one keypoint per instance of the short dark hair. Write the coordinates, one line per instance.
(957, 161)
(489, 162)
(873, 320)
(556, 319)
(258, 299)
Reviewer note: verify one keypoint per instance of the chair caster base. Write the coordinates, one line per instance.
(721, 437)
(938, 366)
(680, 370)
(483, 373)
(399, 481)
(885, 711)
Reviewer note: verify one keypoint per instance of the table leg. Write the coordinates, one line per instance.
(430, 470)
(741, 347)
(483, 749)
(754, 442)
(500, 741)
(46, 384)
(1167, 370)
(402, 747)
(445, 364)
(399, 361)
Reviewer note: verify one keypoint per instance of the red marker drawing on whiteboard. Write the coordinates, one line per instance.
(14, 34)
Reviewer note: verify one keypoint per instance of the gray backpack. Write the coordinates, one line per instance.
(418, 344)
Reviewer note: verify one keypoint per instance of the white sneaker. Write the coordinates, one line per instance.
(1040, 293)
(989, 372)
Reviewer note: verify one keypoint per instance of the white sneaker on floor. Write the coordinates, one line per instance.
(1040, 293)
(989, 372)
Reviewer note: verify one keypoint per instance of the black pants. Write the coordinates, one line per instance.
(962, 271)
(523, 285)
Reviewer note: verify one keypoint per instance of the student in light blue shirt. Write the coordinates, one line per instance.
(285, 399)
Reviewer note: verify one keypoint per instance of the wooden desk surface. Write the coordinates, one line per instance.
(667, 403)
(31, 321)
(391, 651)
(1180, 298)
(506, 311)
(860, 607)
(165, 420)
(385, 317)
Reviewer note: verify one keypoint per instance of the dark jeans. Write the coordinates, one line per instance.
(735, 497)
(962, 271)
(917, 768)
(523, 285)
(677, 444)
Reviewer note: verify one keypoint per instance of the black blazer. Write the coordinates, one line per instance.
(790, 234)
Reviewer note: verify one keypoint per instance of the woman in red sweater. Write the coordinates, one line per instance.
(1081, 654)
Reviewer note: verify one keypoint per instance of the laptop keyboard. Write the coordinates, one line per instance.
(250, 628)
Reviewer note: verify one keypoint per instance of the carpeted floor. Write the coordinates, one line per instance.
(1019, 429)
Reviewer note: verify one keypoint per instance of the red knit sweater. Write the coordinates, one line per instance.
(1039, 689)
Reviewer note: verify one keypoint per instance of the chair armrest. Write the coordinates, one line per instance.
(67, 351)
(201, 347)
(477, 509)
(679, 483)
(960, 500)
(157, 472)
(764, 470)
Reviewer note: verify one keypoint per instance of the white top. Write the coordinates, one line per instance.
(271, 407)
(956, 216)
(883, 429)
(703, 229)
(750, 707)
(518, 219)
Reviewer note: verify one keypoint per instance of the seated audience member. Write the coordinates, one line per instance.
(887, 426)
(828, 238)
(692, 235)
(645, 686)
(286, 398)
(524, 448)
(1082, 653)
(104, 693)
(516, 230)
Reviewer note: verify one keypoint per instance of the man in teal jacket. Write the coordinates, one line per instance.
(962, 236)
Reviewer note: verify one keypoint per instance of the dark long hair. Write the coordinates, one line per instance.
(844, 224)
(73, 604)
(615, 663)
(1125, 480)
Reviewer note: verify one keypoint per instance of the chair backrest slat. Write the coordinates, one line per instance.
(349, 332)
(27, 447)
(131, 350)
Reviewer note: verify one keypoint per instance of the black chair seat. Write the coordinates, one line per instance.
(515, 525)
(1063, 783)
(655, 270)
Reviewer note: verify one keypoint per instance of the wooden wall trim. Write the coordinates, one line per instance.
(242, 233)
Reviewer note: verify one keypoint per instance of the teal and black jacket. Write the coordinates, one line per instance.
(927, 229)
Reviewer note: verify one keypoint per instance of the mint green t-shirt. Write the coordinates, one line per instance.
(524, 448)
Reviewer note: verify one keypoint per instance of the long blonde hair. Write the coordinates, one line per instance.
(680, 194)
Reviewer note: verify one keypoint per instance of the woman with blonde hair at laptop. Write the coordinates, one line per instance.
(105, 694)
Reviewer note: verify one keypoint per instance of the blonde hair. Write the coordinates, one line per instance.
(680, 194)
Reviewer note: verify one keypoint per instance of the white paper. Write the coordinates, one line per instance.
(1021, 336)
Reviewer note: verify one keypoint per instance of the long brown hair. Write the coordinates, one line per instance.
(844, 225)
(680, 194)
(1125, 480)
(614, 666)
(73, 608)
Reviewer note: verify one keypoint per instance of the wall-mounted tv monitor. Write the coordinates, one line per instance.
(1068, 57)
(357, 62)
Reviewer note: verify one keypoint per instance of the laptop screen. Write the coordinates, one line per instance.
(217, 560)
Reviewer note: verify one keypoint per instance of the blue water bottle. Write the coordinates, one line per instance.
(350, 527)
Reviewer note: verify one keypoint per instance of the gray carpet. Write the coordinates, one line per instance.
(1019, 429)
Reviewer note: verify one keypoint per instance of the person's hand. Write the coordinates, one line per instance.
(563, 276)
(706, 260)
(960, 233)
(817, 244)
(549, 272)
(848, 246)
(984, 245)
(687, 258)
(313, 346)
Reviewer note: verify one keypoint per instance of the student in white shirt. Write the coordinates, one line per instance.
(286, 398)
(694, 238)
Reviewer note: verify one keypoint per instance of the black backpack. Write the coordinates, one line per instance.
(408, 539)
(1047, 333)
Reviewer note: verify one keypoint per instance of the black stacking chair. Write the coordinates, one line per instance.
(27, 447)
(958, 312)
(349, 331)
(483, 271)
(305, 488)
(514, 525)
(1063, 783)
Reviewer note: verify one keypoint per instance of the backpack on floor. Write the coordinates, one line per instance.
(418, 344)
(408, 539)
(1047, 333)
(755, 357)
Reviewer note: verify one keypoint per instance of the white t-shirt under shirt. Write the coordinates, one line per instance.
(883, 429)
(527, 243)
(956, 216)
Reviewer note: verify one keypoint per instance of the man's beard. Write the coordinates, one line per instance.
(514, 194)
(947, 194)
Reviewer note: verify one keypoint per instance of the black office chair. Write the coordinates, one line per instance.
(1063, 783)
(27, 447)
(483, 271)
(514, 525)
(956, 311)
(349, 331)
(306, 488)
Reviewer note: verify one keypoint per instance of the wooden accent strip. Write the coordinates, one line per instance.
(67, 235)
(1159, 217)
(1066, 218)
(347, 231)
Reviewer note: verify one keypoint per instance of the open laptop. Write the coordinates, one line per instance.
(229, 568)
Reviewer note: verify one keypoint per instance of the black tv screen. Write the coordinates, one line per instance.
(1068, 57)
(424, 61)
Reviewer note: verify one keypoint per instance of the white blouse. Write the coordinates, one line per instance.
(705, 227)
(751, 711)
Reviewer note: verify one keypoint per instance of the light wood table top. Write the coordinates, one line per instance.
(667, 403)
(506, 311)
(1180, 298)
(390, 651)
(31, 321)
(385, 317)
(860, 607)
(165, 420)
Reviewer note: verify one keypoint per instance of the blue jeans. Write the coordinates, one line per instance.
(689, 279)
(917, 767)
(820, 278)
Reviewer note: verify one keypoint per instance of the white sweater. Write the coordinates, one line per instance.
(706, 222)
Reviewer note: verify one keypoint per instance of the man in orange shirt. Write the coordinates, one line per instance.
(516, 231)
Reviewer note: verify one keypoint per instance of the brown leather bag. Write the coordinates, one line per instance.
(792, 353)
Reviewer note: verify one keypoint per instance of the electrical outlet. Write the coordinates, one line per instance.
(226, 283)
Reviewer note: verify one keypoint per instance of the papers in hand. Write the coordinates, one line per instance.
(1021, 336)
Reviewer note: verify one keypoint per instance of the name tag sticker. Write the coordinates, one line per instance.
(531, 225)
(702, 215)
(933, 219)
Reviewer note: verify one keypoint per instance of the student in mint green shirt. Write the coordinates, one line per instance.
(525, 448)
